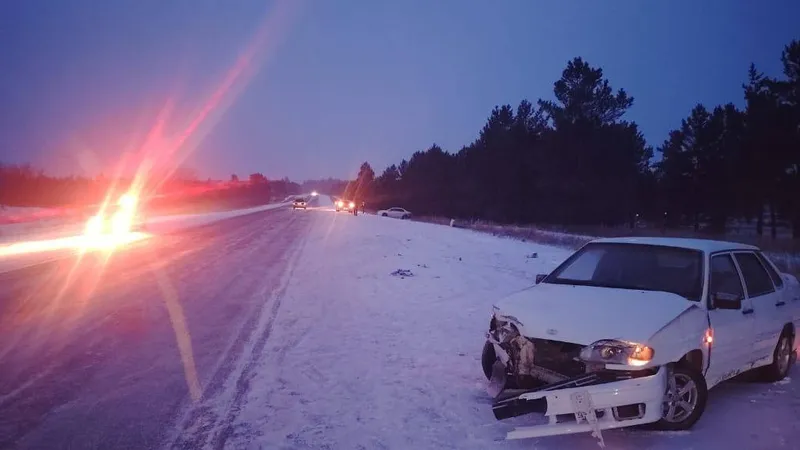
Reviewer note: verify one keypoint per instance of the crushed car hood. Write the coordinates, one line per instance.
(583, 314)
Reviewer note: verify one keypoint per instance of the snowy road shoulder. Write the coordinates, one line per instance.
(377, 345)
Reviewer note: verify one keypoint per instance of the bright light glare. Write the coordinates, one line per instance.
(94, 226)
(128, 201)
(340, 203)
(106, 230)
(121, 223)
(314, 194)
(352, 205)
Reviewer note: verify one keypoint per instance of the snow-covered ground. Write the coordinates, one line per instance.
(354, 357)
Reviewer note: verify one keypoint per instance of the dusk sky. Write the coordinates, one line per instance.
(339, 82)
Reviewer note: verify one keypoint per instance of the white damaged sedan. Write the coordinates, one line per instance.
(633, 331)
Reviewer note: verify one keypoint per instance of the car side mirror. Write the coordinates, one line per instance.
(721, 300)
(540, 277)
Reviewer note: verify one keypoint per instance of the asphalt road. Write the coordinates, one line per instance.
(102, 353)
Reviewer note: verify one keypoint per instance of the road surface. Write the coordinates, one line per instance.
(104, 352)
(304, 329)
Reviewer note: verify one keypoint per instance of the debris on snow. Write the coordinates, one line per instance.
(533, 255)
(402, 273)
(786, 380)
(424, 266)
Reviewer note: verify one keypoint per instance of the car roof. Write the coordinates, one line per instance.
(704, 245)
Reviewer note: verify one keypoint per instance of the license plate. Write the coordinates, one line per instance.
(583, 407)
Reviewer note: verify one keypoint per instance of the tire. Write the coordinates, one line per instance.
(405, 217)
(488, 357)
(675, 417)
(783, 358)
(385, 215)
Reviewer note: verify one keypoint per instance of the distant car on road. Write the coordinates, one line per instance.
(397, 213)
(345, 205)
(117, 219)
(299, 203)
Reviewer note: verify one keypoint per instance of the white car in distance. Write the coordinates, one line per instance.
(397, 213)
(632, 331)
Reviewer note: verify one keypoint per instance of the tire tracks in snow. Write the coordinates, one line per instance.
(210, 422)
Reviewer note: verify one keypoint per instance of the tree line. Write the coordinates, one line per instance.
(575, 160)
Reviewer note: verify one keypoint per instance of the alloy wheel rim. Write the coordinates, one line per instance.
(681, 397)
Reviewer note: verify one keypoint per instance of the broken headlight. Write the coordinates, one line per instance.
(617, 352)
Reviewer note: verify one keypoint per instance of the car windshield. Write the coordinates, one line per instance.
(299, 200)
(634, 266)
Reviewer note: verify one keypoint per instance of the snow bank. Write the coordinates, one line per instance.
(168, 224)
(55, 230)
(357, 357)
(39, 230)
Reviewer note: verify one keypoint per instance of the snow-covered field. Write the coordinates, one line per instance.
(786, 260)
(356, 355)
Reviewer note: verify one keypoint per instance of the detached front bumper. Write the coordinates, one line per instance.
(598, 404)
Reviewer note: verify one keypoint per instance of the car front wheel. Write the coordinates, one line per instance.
(488, 357)
(385, 215)
(684, 400)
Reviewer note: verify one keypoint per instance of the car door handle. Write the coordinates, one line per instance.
(780, 303)
(748, 311)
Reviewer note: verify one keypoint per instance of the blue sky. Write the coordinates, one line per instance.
(344, 81)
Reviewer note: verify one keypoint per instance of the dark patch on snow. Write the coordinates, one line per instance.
(402, 273)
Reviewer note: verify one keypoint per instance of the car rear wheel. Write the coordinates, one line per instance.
(783, 357)
(385, 215)
(684, 400)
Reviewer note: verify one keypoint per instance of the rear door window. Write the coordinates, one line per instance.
(776, 278)
(756, 279)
